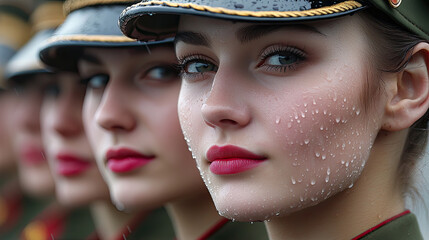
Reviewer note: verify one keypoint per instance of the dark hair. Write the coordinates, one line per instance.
(391, 48)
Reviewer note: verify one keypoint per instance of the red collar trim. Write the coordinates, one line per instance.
(213, 229)
(381, 224)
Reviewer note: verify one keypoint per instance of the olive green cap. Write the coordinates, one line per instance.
(89, 23)
(45, 18)
(154, 20)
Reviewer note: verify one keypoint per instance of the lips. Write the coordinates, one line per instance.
(32, 155)
(231, 159)
(70, 165)
(125, 160)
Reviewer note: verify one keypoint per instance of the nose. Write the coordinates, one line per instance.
(68, 115)
(226, 105)
(113, 113)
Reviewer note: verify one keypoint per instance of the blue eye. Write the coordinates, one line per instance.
(163, 73)
(52, 90)
(98, 81)
(199, 66)
(282, 59)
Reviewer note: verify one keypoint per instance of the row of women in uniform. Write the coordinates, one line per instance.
(216, 120)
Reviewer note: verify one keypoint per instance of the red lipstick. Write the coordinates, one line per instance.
(70, 165)
(32, 155)
(231, 159)
(125, 160)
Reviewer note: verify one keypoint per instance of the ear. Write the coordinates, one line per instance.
(409, 95)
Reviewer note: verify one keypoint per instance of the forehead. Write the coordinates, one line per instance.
(218, 27)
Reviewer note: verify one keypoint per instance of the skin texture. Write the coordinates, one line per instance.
(7, 157)
(135, 107)
(149, 125)
(63, 133)
(35, 178)
(302, 97)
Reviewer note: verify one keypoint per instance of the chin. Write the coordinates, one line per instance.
(42, 188)
(129, 195)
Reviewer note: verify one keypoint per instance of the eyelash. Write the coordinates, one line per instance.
(85, 81)
(183, 61)
(278, 49)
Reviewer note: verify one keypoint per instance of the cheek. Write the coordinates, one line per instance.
(322, 137)
(88, 119)
(191, 121)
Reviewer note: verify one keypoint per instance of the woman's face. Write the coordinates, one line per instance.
(278, 117)
(77, 179)
(130, 116)
(33, 170)
(7, 107)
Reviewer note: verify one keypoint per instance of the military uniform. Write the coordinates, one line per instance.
(55, 222)
(401, 226)
(16, 210)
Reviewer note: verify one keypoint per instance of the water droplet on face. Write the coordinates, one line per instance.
(327, 178)
(278, 119)
(306, 141)
(337, 120)
(313, 182)
(351, 185)
(238, 5)
(293, 180)
(323, 157)
(277, 213)
(317, 154)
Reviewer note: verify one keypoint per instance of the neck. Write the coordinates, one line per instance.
(109, 222)
(183, 214)
(375, 197)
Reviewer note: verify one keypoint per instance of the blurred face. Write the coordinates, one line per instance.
(33, 170)
(7, 108)
(77, 179)
(276, 115)
(130, 115)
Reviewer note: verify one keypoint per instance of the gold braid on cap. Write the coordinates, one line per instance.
(91, 38)
(336, 8)
(48, 15)
(71, 5)
(14, 32)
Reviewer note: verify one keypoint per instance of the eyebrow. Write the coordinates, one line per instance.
(249, 33)
(244, 35)
(89, 58)
(192, 38)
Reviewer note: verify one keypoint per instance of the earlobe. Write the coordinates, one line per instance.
(409, 99)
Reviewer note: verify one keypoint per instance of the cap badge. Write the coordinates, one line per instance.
(395, 3)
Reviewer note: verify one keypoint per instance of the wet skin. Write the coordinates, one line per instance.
(292, 94)
(77, 178)
(131, 104)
